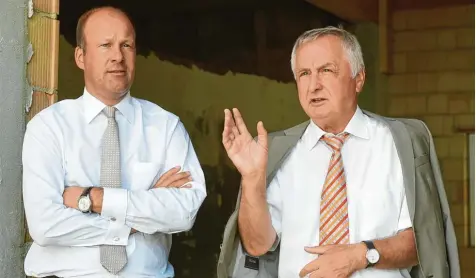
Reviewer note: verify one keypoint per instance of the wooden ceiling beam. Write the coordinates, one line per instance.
(350, 10)
(210, 5)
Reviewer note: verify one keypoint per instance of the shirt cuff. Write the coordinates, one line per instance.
(404, 224)
(114, 208)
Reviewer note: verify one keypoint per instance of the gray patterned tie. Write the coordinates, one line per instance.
(113, 257)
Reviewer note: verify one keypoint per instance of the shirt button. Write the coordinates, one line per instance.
(113, 219)
(116, 239)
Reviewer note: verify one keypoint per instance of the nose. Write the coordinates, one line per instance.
(315, 83)
(117, 55)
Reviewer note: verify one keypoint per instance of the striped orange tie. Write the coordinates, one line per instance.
(334, 220)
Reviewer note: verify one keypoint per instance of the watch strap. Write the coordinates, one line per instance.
(86, 191)
(370, 245)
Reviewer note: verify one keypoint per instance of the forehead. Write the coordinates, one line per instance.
(107, 23)
(321, 50)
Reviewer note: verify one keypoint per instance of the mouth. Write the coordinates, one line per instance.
(117, 72)
(317, 100)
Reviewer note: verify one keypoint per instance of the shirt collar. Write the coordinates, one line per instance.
(93, 106)
(357, 126)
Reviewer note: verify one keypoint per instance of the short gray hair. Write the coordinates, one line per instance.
(349, 43)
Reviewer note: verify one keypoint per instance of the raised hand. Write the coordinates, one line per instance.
(250, 157)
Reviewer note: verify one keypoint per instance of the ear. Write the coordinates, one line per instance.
(79, 57)
(359, 81)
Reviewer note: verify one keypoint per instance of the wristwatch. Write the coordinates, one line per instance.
(84, 201)
(372, 254)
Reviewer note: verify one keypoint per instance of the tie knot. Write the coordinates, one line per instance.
(335, 142)
(110, 111)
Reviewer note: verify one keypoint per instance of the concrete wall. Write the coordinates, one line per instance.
(198, 98)
(12, 92)
(433, 53)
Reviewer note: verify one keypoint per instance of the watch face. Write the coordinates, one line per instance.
(373, 256)
(84, 204)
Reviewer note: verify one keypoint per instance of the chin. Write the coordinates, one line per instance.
(120, 90)
(316, 112)
(317, 115)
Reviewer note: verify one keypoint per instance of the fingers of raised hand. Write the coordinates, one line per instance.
(228, 135)
(235, 133)
(229, 121)
(240, 123)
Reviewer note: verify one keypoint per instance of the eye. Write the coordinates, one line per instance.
(303, 73)
(105, 45)
(327, 70)
(126, 45)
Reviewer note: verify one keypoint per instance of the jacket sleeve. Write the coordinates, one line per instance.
(450, 236)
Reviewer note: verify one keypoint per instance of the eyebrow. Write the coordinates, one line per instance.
(125, 39)
(299, 70)
(327, 64)
(320, 67)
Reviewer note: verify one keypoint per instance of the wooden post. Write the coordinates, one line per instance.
(385, 28)
(43, 33)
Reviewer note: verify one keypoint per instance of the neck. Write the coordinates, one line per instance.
(109, 99)
(335, 125)
(110, 102)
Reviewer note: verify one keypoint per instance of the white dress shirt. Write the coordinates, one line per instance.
(377, 205)
(62, 147)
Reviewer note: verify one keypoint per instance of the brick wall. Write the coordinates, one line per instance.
(433, 80)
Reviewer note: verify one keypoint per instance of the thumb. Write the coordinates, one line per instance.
(319, 250)
(262, 135)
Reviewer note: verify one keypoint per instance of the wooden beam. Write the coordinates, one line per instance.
(205, 5)
(400, 5)
(384, 33)
(43, 33)
(350, 10)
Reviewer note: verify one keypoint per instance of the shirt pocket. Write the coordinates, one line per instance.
(379, 208)
(145, 175)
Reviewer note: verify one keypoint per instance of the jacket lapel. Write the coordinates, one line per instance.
(278, 151)
(403, 144)
(404, 147)
(280, 147)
